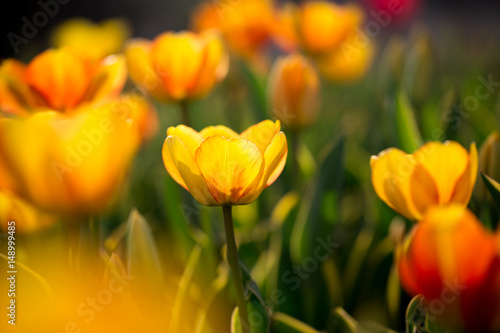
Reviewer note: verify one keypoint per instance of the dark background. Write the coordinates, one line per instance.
(150, 17)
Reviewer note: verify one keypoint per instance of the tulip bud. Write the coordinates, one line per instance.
(489, 164)
(293, 90)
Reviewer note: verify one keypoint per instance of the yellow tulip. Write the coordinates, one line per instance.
(293, 90)
(323, 25)
(27, 217)
(95, 40)
(436, 174)
(177, 66)
(220, 167)
(68, 163)
(60, 80)
(349, 62)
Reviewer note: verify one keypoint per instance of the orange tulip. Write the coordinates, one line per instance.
(284, 29)
(246, 25)
(219, 167)
(454, 263)
(293, 90)
(95, 40)
(436, 174)
(58, 79)
(68, 163)
(177, 66)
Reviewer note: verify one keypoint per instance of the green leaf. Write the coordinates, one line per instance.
(258, 317)
(343, 320)
(406, 123)
(393, 293)
(143, 260)
(330, 176)
(283, 323)
(180, 304)
(416, 316)
(493, 187)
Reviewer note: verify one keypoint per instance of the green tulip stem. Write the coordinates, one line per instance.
(232, 258)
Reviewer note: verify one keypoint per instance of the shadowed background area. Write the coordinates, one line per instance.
(478, 19)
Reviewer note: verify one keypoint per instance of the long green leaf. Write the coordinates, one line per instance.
(493, 187)
(407, 128)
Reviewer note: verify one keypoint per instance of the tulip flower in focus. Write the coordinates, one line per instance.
(436, 174)
(95, 40)
(454, 263)
(177, 66)
(293, 90)
(246, 25)
(28, 217)
(220, 167)
(68, 163)
(59, 80)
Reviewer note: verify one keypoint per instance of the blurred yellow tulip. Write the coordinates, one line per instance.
(246, 25)
(349, 62)
(68, 163)
(293, 90)
(28, 218)
(178, 66)
(436, 174)
(220, 167)
(323, 25)
(95, 40)
(58, 79)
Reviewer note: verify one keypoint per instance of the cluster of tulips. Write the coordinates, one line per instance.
(69, 134)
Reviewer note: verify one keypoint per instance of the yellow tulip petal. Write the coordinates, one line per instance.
(262, 134)
(109, 79)
(215, 64)
(177, 58)
(275, 159)
(188, 170)
(323, 25)
(230, 167)
(465, 185)
(446, 162)
(391, 172)
(59, 76)
(219, 131)
(141, 70)
(423, 189)
(189, 136)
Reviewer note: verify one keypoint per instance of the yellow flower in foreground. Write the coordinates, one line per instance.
(177, 66)
(436, 174)
(69, 163)
(96, 40)
(60, 80)
(293, 90)
(220, 167)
